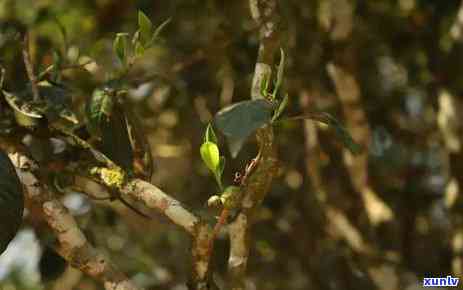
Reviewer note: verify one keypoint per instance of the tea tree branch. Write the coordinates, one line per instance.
(257, 183)
(73, 245)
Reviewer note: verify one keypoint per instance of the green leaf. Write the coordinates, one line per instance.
(98, 110)
(57, 61)
(62, 30)
(108, 120)
(219, 174)
(18, 104)
(235, 145)
(264, 86)
(55, 104)
(210, 155)
(340, 132)
(158, 30)
(139, 49)
(145, 27)
(281, 108)
(210, 136)
(136, 37)
(11, 201)
(221, 165)
(280, 74)
(120, 47)
(241, 119)
(238, 121)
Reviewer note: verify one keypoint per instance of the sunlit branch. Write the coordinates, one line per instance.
(72, 243)
(265, 14)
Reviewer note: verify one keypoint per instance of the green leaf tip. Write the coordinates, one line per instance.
(145, 27)
(147, 33)
(159, 29)
(280, 74)
(120, 47)
(264, 86)
(210, 136)
(98, 110)
(341, 133)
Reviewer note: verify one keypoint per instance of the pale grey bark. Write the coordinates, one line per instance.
(72, 243)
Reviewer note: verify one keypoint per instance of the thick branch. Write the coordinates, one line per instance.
(155, 198)
(257, 185)
(239, 251)
(73, 246)
(264, 13)
(201, 251)
(201, 232)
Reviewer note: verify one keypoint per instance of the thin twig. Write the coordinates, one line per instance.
(2, 76)
(154, 198)
(50, 68)
(30, 68)
(221, 221)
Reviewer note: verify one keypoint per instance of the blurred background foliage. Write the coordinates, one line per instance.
(407, 58)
